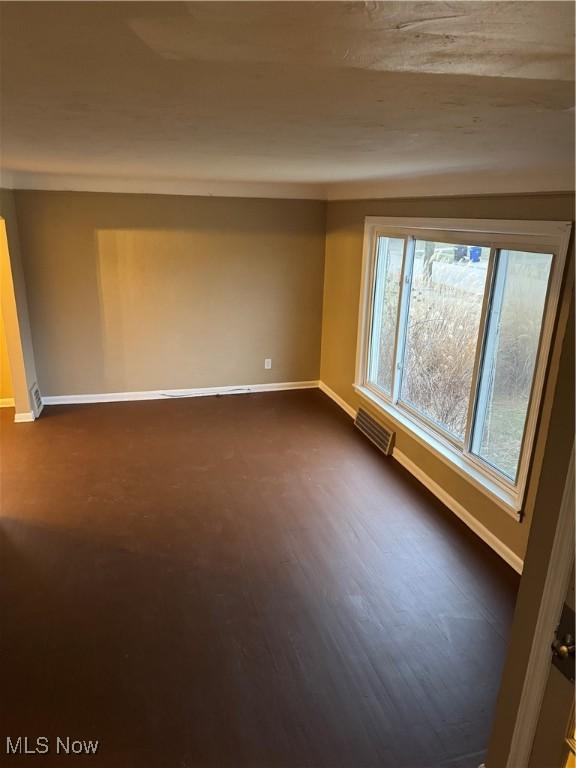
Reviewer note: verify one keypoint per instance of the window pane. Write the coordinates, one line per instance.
(510, 357)
(386, 294)
(443, 321)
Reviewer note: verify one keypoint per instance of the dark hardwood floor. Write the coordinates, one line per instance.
(241, 582)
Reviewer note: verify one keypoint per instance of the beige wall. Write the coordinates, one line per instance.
(344, 238)
(6, 390)
(137, 292)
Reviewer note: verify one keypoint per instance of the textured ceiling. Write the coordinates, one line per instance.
(304, 92)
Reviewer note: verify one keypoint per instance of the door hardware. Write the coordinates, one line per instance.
(563, 648)
(563, 644)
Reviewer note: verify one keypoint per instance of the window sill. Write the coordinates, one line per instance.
(506, 500)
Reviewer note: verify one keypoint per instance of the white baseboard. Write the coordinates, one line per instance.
(23, 417)
(6, 402)
(479, 529)
(337, 399)
(167, 394)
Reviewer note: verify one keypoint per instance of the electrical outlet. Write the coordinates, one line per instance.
(268, 363)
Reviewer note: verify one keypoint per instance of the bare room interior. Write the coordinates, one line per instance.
(287, 384)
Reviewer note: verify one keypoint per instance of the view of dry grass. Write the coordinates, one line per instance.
(445, 308)
(442, 334)
(512, 369)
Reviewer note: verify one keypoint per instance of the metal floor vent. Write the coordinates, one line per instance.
(36, 398)
(375, 432)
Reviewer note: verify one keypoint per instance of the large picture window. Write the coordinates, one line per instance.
(455, 328)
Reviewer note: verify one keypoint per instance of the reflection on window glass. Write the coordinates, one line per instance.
(510, 357)
(387, 290)
(442, 332)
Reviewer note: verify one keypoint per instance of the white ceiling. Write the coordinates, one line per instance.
(314, 99)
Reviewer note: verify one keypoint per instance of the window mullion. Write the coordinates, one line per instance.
(487, 306)
(402, 323)
(378, 297)
(486, 368)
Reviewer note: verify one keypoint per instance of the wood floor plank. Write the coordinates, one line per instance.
(239, 582)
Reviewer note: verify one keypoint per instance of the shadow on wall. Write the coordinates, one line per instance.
(180, 314)
(136, 292)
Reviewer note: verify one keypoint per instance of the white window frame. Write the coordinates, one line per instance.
(551, 237)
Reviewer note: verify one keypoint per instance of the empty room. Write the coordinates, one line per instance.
(287, 384)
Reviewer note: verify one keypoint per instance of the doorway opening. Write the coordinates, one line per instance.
(18, 381)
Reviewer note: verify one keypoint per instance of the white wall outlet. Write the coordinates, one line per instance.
(268, 363)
